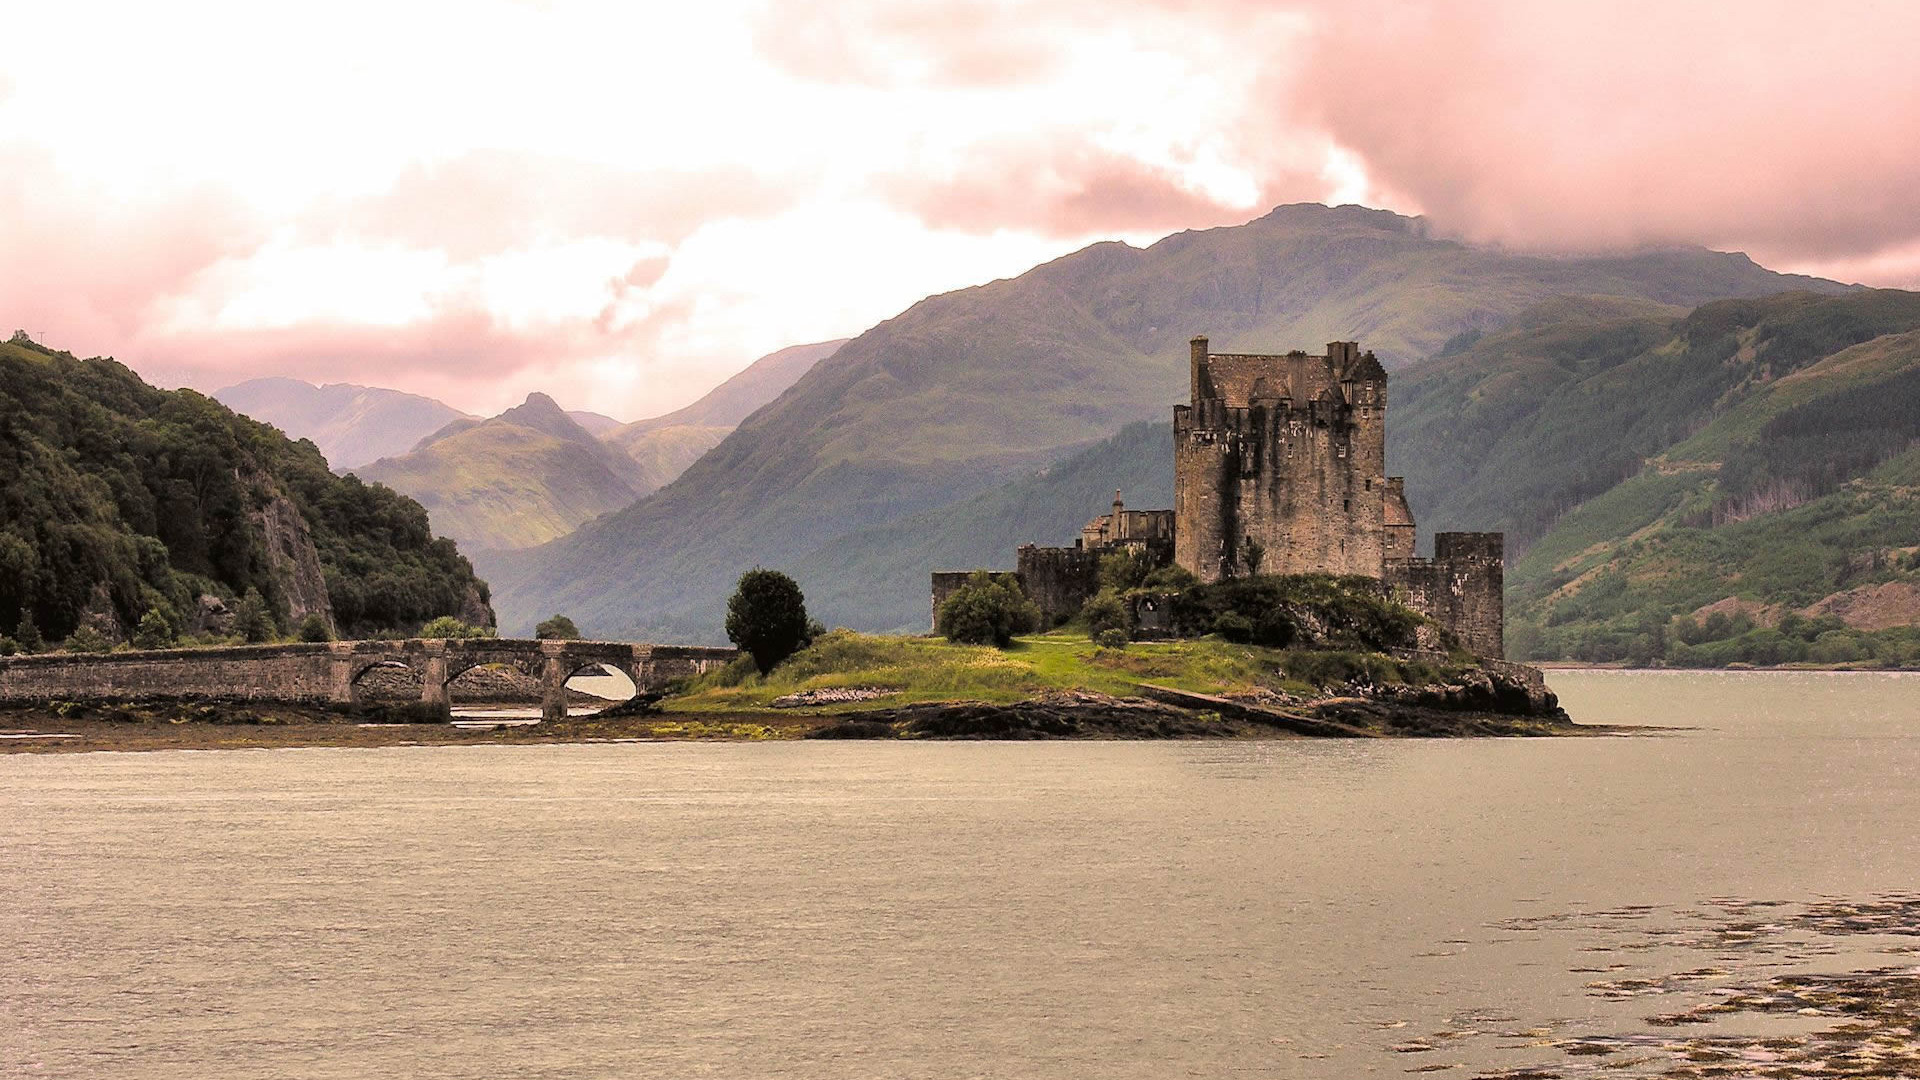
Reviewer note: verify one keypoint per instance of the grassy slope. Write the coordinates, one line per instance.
(967, 389)
(932, 669)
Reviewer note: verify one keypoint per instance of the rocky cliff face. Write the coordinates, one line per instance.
(293, 560)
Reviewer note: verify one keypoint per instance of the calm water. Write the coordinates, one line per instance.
(1290, 909)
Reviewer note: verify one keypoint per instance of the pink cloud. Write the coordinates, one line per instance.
(488, 201)
(83, 269)
(1060, 186)
(1783, 130)
(927, 42)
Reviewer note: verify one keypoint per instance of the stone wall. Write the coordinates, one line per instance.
(332, 673)
(1058, 580)
(1462, 588)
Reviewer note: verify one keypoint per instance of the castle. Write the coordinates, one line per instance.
(1280, 468)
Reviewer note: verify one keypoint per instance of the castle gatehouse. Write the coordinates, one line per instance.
(1280, 468)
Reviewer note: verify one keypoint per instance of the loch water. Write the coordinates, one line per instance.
(1291, 908)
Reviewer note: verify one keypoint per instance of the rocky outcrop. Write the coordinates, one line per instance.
(293, 560)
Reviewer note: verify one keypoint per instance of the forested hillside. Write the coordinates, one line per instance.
(967, 390)
(122, 506)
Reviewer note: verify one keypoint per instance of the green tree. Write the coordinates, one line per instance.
(1105, 611)
(155, 630)
(251, 619)
(986, 611)
(27, 633)
(315, 629)
(87, 640)
(558, 628)
(1123, 570)
(767, 616)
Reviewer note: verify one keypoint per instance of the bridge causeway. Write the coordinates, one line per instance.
(329, 673)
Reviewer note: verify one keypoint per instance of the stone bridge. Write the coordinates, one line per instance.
(329, 673)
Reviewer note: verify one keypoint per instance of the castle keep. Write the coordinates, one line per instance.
(1280, 468)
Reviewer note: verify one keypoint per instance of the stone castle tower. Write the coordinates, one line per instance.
(1280, 465)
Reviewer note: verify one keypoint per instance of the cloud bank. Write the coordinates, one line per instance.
(623, 204)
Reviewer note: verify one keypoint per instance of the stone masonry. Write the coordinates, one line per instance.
(330, 673)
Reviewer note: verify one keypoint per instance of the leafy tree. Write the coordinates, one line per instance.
(27, 633)
(1111, 639)
(767, 616)
(446, 626)
(314, 629)
(87, 640)
(558, 628)
(1170, 578)
(155, 630)
(251, 619)
(1123, 570)
(986, 610)
(1105, 611)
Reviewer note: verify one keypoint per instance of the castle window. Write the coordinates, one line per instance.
(1346, 505)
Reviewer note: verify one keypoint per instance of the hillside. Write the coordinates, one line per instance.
(352, 425)
(663, 447)
(120, 502)
(1752, 458)
(969, 389)
(515, 480)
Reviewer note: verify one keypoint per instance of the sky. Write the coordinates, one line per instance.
(622, 203)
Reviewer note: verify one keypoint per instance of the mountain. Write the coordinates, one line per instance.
(596, 424)
(664, 446)
(515, 480)
(351, 425)
(121, 502)
(969, 389)
(1759, 459)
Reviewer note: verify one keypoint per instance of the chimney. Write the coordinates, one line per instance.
(1198, 369)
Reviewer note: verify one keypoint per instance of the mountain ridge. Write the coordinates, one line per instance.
(968, 388)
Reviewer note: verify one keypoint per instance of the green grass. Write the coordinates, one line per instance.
(926, 669)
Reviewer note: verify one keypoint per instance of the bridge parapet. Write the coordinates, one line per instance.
(330, 673)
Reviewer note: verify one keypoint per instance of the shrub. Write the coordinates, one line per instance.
(446, 626)
(155, 630)
(1279, 610)
(1123, 570)
(27, 633)
(1105, 611)
(1233, 626)
(986, 611)
(8, 646)
(1112, 638)
(85, 639)
(252, 619)
(767, 616)
(558, 628)
(1170, 578)
(315, 629)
